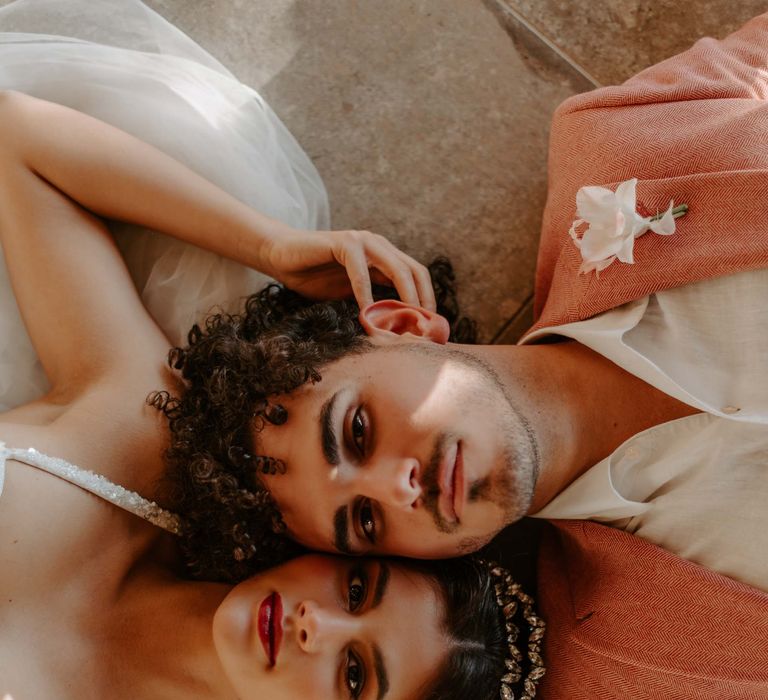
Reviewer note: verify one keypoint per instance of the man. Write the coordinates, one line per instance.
(649, 414)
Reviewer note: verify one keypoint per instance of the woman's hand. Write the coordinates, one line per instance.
(116, 176)
(331, 264)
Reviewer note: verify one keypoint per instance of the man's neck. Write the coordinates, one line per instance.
(159, 642)
(580, 406)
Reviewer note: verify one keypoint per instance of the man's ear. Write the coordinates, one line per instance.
(389, 320)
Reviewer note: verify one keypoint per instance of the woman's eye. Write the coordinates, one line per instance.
(358, 430)
(367, 520)
(355, 675)
(358, 585)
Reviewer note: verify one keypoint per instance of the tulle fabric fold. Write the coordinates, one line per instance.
(121, 62)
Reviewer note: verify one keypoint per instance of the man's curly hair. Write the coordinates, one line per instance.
(231, 367)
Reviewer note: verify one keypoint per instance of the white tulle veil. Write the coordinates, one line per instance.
(123, 63)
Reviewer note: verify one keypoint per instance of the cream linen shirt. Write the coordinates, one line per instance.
(697, 486)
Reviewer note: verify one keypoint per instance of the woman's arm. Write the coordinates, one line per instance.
(117, 176)
(75, 295)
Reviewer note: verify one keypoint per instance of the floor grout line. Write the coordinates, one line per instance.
(506, 9)
(514, 317)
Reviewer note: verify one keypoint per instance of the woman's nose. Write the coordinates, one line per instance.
(316, 626)
(395, 483)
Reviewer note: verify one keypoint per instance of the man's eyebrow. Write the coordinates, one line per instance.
(381, 672)
(381, 585)
(328, 434)
(341, 531)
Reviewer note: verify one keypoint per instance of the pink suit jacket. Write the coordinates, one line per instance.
(693, 128)
(626, 619)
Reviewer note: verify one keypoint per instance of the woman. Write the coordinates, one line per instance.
(100, 349)
(149, 79)
(118, 620)
(318, 626)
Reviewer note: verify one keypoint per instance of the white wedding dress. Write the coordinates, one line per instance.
(123, 63)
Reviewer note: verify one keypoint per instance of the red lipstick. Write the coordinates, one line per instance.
(270, 625)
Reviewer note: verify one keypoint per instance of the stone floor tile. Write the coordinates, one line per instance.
(543, 55)
(514, 328)
(614, 39)
(426, 121)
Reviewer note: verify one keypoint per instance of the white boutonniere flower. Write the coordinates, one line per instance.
(613, 224)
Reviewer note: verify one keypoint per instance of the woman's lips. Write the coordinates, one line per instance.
(270, 626)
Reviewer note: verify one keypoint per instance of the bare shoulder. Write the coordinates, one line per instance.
(52, 532)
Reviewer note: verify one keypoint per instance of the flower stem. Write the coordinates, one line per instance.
(677, 212)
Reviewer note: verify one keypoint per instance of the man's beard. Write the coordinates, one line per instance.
(511, 486)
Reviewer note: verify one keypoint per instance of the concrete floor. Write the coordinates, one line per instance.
(428, 119)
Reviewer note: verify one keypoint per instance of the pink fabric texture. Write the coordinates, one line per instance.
(627, 619)
(693, 128)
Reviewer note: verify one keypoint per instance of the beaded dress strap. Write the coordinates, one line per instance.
(94, 483)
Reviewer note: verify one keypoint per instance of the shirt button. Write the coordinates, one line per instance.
(731, 409)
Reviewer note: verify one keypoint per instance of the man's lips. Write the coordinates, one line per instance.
(450, 502)
(270, 624)
(458, 483)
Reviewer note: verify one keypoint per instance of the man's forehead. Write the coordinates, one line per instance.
(352, 372)
(379, 348)
(348, 373)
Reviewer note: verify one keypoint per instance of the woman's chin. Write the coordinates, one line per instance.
(234, 626)
(236, 640)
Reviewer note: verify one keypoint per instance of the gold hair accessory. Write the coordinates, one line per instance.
(510, 597)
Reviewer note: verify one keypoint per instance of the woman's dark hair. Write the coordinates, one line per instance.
(475, 629)
(231, 367)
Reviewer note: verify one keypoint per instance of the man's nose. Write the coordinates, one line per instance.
(317, 627)
(394, 482)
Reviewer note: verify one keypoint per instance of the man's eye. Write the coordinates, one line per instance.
(355, 675)
(358, 587)
(358, 430)
(367, 520)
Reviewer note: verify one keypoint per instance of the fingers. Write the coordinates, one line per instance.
(424, 285)
(370, 251)
(393, 265)
(410, 278)
(354, 260)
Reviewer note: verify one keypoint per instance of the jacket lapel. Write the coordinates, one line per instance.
(725, 231)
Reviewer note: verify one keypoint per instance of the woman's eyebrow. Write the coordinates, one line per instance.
(379, 590)
(381, 673)
(381, 584)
